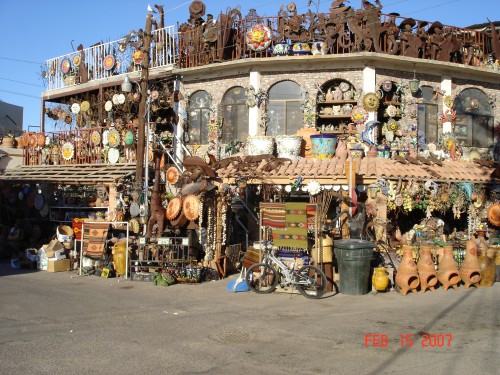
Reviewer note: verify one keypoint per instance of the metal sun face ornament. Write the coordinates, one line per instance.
(371, 102)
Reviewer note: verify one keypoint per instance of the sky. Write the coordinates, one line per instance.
(35, 31)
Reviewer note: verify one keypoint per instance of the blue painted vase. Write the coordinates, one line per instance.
(323, 145)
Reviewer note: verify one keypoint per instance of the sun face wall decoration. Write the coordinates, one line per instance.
(371, 102)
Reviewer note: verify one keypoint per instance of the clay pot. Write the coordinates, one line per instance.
(486, 266)
(380, 280)
(407, 276)
(341, 150)
(470, 272)
(426, 270)
(448, 269)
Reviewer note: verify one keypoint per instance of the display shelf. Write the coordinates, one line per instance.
(78, 207)
(350, 101)
(335, 116)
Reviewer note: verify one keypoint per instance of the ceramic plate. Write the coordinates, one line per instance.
(84, 107)
(344, 86)
(392, 110)
(108, 106)
(77, 60)
(134, 209)
(359, 115)
(121, 99)
(95, 138)
(65, 65)
(113, 138)
(129, 138)
(336, 187)
(105, 137)
(38, 202)
(113, 155)
(109, 62)
(75, 108)
(67, 151)
(154, 94)
(387, 86)
(115, 99)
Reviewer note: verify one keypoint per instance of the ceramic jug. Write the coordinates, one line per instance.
(380, 280)
(347, 109)
(486, 266)
(119, 252)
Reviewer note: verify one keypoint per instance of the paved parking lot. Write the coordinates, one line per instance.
(59, 323)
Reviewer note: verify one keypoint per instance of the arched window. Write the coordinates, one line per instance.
(427, 115)
(474, 122)
(283, 109)
(198, 117)
(235, 115)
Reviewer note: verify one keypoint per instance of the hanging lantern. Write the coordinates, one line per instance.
(414, 85)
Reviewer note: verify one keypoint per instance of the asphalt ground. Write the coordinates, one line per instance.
(60, 323)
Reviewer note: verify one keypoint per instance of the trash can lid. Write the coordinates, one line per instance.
(353, 244)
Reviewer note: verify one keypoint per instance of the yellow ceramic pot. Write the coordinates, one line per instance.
(380, 280)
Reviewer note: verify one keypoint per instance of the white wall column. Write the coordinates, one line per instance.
(446, 87)
(253, 113)
(178, 108)
(369, 85)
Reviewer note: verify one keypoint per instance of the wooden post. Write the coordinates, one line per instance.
(141, 138)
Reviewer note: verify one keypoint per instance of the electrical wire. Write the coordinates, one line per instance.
(25, 83)
(23, 61)
(18, 93)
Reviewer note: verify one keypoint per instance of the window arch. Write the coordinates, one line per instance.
(198, 117)
(235, 115)
(474, 122)
(427, 115)
(283, 109)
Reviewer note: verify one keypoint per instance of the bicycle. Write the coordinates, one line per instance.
(264, 277)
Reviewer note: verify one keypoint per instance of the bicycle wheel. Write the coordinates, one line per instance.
(262, 278)
(310, 282)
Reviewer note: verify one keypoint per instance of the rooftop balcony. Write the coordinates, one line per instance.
(109, 59)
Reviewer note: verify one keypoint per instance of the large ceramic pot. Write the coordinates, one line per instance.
(288, 146)
(260, 145)
(281, 49)
(448, 273)
(323, 145)
(301, 48)
(426, 270)
(470, 272)
(380, 280)
(407, 277)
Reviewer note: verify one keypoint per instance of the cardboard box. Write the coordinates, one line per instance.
(51, 248)
(58, 265)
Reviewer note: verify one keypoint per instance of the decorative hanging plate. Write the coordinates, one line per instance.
(448, 101)
(95, 137)
(85, 106)
(40, 139)
(191, 207)
(154, 94)
(109, 62)
(38, 201)
(134, 209)
(115, 99)
(344, 86)
(258, 38)
(67, 151)
(33, 140)
(138, 56)
(392, 125)
(387, 86)
(75, 108)
(359, 115)
(77, 60)
(173, 208)
(113, 155)
(108, 106)
(25, 139)
(45, 210)
(105, 140)
(121, 98)
(172, 175)
(129, 138)
(65, 65)
(113, 138)
(371, 102)
(392, 110)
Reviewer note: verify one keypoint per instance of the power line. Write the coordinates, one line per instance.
(24, 61)
(18, 93)
(25, 83)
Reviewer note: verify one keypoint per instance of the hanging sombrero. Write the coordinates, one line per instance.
(191, 207)
(172, 175)
(494, 214)
(174, 208)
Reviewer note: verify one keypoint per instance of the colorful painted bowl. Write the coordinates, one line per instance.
(323, 145)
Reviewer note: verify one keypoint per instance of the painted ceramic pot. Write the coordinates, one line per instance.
(301, 48)
(323, 145)
(288, 146)
(380, 280)
(281, 49)
(260, 145)
(319, 47)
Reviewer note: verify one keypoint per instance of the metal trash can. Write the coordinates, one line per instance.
(353, 257)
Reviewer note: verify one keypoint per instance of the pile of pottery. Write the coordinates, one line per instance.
(477, 271)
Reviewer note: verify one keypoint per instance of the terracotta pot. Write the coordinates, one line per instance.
(407, 276)
(448, 269)
(426, 270)
(341, 150)
(487, 266)
(470, 272)
(380, 280)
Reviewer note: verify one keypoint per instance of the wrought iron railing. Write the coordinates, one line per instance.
(109, 59)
